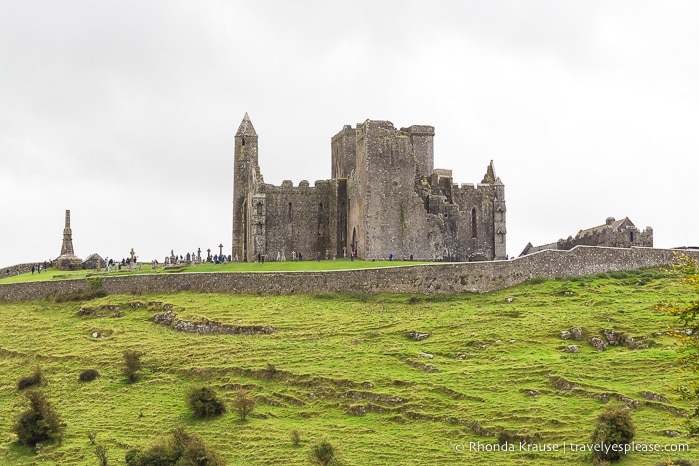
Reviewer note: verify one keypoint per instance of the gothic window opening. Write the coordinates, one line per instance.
(353, 245)
(320, 219)
(259, 208)
(242, 141)
(474, 224)
(631, 236)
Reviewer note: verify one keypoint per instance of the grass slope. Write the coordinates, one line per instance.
(333, 356)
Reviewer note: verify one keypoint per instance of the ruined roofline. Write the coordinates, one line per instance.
(422, 130)
(610, 224)
(426, 130)
(302, 184)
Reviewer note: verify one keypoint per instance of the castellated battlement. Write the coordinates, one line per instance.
(384, 199)
(288, 184)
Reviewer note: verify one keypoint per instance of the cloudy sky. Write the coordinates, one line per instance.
(124, 112)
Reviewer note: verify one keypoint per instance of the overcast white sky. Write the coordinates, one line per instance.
(124, 112)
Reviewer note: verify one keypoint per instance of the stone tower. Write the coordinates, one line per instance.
(67, 260)
(246, 176)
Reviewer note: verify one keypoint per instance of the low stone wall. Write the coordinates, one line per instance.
(18, 269)
(452, 278)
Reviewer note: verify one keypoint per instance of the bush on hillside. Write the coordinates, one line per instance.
(36, 379)
(295, 437)
(175, 448)
(39, 423)
(132, 364)
(88, 375)
(323, 453)
(615, 429)
(203, 402)
(101, 454)
(243, 404)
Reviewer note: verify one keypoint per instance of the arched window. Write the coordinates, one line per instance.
(474, 224)
(259, 208)
(242, 141)
(631, 236)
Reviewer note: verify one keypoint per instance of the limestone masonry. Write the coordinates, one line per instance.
(384, 198)
(435, 278)
(68, 260)
(614, 233)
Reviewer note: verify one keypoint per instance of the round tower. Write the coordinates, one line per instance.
(245, 176)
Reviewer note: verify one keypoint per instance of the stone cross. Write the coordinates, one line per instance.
(220, 249)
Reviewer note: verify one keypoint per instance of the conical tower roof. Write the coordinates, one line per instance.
(246, 128)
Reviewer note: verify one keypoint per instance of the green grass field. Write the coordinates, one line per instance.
(490, 364)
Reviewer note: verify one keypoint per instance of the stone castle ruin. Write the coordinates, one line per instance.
(384, 198)
(614, 234)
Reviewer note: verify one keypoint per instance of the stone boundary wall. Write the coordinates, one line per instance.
(21, 268)
(452, 278)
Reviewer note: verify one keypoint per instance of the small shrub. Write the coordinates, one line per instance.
(36, 379)
(101, 454)
(132, 364)
(271, 372)
(39, 423)
(94, 283)
(614, 427)
(176, 448)
(243, 404)
(203, 402)
(91, 436)
(88, 375)
(295, 437)
(323, 453)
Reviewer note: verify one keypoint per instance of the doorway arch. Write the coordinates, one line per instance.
(353, 244)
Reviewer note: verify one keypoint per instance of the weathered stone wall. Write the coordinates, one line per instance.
(385, 197)
(343, 147)
(15, 269)
(396, 208)
(302, 219)
(625, 238)
(451, 278)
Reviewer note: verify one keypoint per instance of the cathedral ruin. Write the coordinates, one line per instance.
(384, 199)
(613, 234)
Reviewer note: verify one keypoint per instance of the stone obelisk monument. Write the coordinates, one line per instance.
(67, 260)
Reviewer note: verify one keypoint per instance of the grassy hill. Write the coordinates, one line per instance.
(341, 367)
